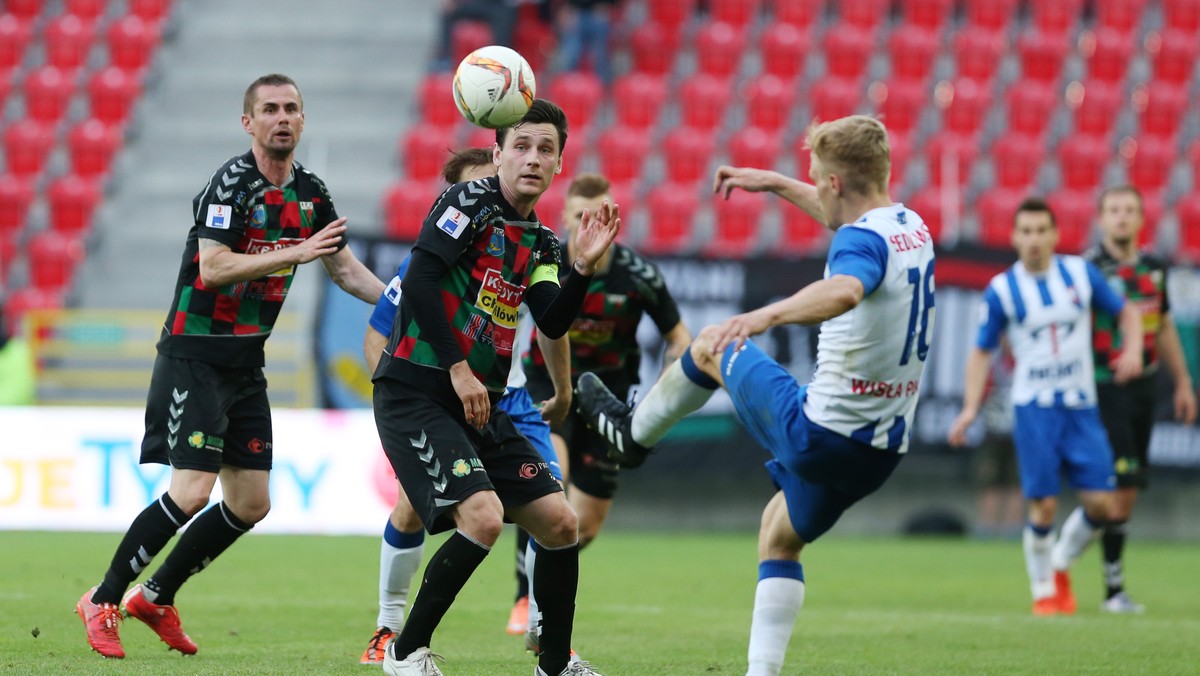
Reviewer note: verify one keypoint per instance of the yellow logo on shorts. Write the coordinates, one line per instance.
(196, 439)
(460, 468)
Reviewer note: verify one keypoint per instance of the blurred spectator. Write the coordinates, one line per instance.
(583, 27)
(16, 367)
(501, 15)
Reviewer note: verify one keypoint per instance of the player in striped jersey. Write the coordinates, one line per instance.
(1043, 304)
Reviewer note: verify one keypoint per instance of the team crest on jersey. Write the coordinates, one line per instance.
(218, 216)
(258, 217)
(453, 222)
(495, 246)
(306, 211)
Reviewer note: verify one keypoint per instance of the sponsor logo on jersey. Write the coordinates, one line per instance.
(257, 445)
(495, 246)
(392, 292)
(196, 439)
(460, 468)
(500, 299)
(258, 217)
(529, 470)
(586, 331)
(218, 216)
(453, 222)
(257, 246)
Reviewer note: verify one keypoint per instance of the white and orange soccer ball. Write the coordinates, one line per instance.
(494, 87)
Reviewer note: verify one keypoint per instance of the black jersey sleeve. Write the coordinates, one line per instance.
(660, 304)
(222, 207)
(423, 298)
(324, 212)
(1159, 264)
(456, 218)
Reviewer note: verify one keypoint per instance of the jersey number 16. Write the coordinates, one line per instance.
(922, 305)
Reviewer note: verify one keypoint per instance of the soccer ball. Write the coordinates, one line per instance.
(493, 87)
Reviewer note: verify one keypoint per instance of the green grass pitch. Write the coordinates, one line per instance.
(649, 603)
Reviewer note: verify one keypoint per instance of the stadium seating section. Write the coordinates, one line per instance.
(70, 74)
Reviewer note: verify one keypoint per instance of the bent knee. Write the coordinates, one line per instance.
(560, 528)
(481, 517)
(251, 511)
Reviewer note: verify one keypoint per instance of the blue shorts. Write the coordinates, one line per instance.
(528, 421)
(820, 472)
(1049, 439)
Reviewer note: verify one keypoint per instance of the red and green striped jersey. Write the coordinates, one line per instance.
(239, 208)
(493, 255)
(604, 336)
(1143, 283)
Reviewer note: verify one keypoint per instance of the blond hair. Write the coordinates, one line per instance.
(856, 149)
(588, 186)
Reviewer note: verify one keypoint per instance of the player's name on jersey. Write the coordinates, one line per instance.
(884, 389)
(1056, 371)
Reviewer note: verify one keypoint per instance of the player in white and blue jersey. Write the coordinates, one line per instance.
(404, 535)
(1043, 305)
(838, 439)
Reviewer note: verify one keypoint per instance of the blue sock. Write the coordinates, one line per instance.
(694, 373)
(400, 539)
(1040, 531)
(780, 568)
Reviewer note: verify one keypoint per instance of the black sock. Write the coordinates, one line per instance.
(147, 535)
(445, 574)
(556, 579)
(522, 579)
(213, 531)
(1113, 542)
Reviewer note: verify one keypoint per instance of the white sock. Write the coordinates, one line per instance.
(1076, 534)
(396, 570)
(777, 602)
(1037, 562)
(671, 399)
(535, 615)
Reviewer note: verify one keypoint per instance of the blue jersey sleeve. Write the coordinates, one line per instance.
(385, 308)
(1103, 297)
(859, 253)
(992, 321)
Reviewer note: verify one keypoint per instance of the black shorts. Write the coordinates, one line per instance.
(440, 460)
(1128, 415)
(590, 469)
(201, 416)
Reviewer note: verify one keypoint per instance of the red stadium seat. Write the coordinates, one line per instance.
(5, 86)
(1175, 56)
(1108, 53)
(92, 144)
(552, 203)
(672, 210)
(798, 13)
(1042, 55)
(14, 37)
(21, 302)
(424, 149)
(405, 206)
(1030, 107)
(947, 150)
(753, 147)
(835, 97)
(68, 41)
(27, 144)
(437, 100)
(1193, 158)
(467, 36)
(579, 94)
(740, 13)
(800, 234)
(638, 99)
(931, 14)
(990, 14)
(479, 137)
(719, 48)
(53, 259)
(769, 102)
(784, 48)
(912, 51)
(16, 194)
(671, 14)
(1082, 159)
(802, 156)
(977, 52)
(1073, 214)
(86, 9)
(653, 48)
(1163, 109)
(623, 150)
(995, 209)
(848, 50)
(1153, 207)
(1120, 15)
(736, 225)
(1016, 159)
(1149, 166)
(150, 10)
(24, 9)
(704, 101)
(48, 92)
(1056, 17)
(1182, 14)
(73, 201)
(131, 42)
(867, 14)
(1187, 211)
(112, 93)
(1096, 113)
(900, 145)
(928, 205)
(686, 154)
(967, 107)
(534, 38)
(902, 103)
(8, 251)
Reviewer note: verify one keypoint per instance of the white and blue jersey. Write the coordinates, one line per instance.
(870, 359)
(516, 402)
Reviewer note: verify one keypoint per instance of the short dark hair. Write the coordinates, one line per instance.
(1125, 189)
(269, 80)
(1035, 205)
(462, 159)
(588, 186)
(541, 111)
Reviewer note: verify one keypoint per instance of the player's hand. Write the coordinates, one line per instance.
(1128, 366)
(595, 234)
(556, 408)
(737, 330)
(474, 396)
(322, 243)
(1185, 404)
(747, 178)
(958, 428)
